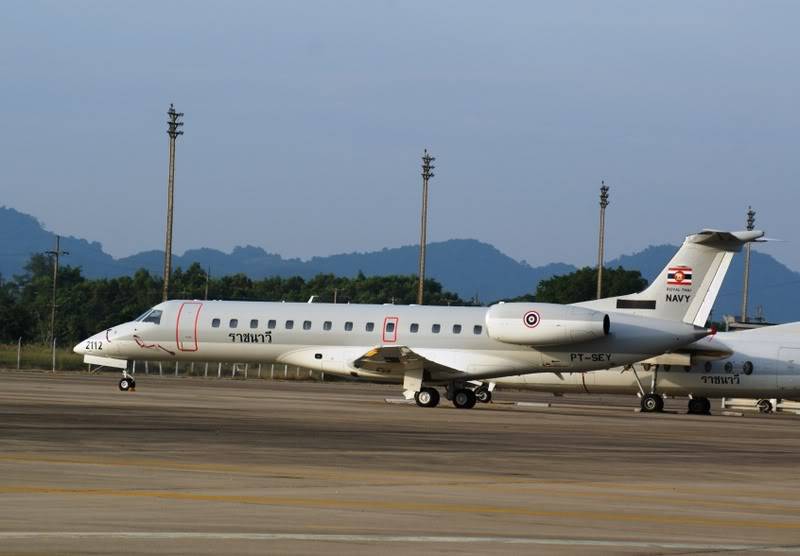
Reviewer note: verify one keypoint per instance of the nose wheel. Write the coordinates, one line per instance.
(652, 403)
(126, 383)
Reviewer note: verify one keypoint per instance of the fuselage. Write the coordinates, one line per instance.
(331, 337)
(763, 363)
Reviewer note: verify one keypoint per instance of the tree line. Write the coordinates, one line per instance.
(85, 306)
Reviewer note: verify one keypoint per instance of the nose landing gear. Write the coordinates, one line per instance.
(127, 383)
(652, 403)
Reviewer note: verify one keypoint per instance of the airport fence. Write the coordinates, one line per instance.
(41, 356)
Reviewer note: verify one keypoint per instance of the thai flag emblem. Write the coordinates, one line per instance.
(679, 276)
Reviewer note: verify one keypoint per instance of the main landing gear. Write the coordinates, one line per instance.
(462, 396)
(127, 382)
(699, 406)
(427, 397)
(483, 394)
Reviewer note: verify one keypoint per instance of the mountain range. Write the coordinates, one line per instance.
(468, 267)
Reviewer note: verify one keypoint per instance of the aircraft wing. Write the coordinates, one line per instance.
(402, 360)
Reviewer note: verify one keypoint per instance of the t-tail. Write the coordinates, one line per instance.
(688, 286)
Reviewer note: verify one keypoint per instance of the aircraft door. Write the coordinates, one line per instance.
(390, 330)
(789, 371)
(186, 327)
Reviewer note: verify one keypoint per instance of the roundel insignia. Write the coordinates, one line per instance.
(531, 319)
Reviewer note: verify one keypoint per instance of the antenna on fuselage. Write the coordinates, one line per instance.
(312, 298)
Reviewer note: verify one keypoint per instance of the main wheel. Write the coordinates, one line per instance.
(427, 397)
(699, 406)
(483, 395)
(764, 406)
(464, 399)
(651, 403)
(125, 384)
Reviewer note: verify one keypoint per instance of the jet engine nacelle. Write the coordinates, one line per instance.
(544, 324)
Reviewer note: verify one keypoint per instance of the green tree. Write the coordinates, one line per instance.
(581, 285)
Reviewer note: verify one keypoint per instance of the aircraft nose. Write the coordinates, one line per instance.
(80, 348)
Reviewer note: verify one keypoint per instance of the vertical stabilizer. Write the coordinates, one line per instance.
(687, 287)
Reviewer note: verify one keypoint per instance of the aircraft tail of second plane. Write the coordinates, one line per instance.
(685, 290)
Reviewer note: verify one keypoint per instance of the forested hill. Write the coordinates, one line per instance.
(465, 266)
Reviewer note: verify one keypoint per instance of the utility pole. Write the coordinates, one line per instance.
(751, 221)
(423, 235)
(603, 204)
(56, 255)
(173, 132)
(208, 278)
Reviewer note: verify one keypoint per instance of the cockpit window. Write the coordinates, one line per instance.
(153, 316)
(143, 315)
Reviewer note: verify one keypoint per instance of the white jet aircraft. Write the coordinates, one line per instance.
(763, 363)
(423, 347)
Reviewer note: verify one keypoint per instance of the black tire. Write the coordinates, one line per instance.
(427, 397)
(706, 406)
(652, 403)
(764, 406)
(699, 406)
(464, 399)
(125, 384)
(483, 395)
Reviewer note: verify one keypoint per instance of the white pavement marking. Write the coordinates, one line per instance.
(177, 535)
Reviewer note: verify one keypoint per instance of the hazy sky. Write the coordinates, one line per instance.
(305, 122)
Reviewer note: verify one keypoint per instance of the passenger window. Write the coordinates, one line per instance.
(390, 326)
(456, 329)
(289, 324)
(215, 323)
(436, 328)
(348, 326)
(370, 326)
(477, 330)
(254, 323)
(414, 328)
(327, 325)
(233, 323)
(271, 324)
(154, 317)
(306, 325)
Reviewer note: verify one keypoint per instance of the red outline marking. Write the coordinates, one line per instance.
(141, 344)
(538, 319)
(178, 341)
(396, 321)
